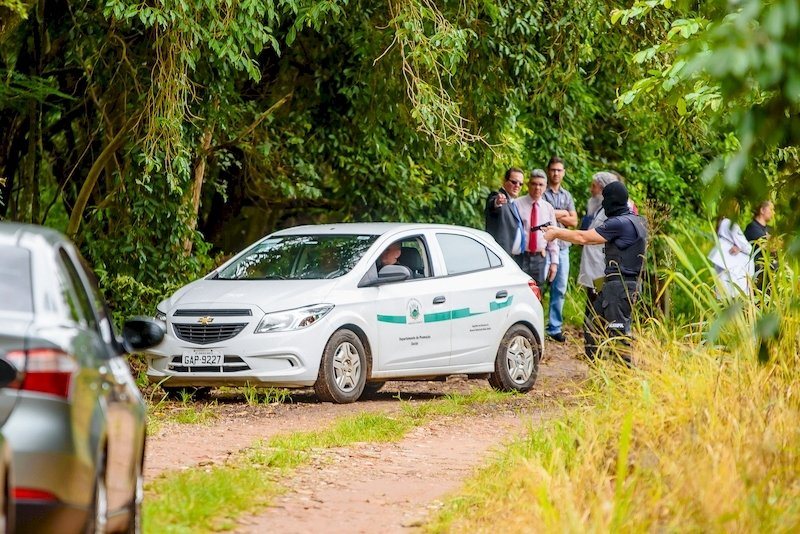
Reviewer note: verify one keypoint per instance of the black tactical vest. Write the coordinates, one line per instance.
(629, 261)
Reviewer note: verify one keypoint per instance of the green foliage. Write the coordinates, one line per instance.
(15, 6)
(731, 69)
(206, 124)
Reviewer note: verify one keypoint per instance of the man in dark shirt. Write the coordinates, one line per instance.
(625, 237)
(757, 232)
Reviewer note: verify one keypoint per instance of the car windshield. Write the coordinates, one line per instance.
(299, 257)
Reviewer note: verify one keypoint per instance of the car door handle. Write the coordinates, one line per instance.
(501, 294)
(439, 300)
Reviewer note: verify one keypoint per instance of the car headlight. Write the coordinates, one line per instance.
(160, 316)
(296, 319)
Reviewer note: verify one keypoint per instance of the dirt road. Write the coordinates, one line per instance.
(352, 489)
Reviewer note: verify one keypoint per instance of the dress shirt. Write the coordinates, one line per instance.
(560, 200)
(545, 213)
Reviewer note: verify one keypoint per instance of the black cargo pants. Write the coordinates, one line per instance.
(609, 316)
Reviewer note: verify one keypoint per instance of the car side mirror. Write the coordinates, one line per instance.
(393, 273)
(141, 333)
(8, 373)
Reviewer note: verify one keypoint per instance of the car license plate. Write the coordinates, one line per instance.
(198, 357)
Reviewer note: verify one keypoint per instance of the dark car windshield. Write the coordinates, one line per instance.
(15, 280)
(299, 257)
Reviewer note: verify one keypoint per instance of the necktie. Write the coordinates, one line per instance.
(520, 228)
(534, 244)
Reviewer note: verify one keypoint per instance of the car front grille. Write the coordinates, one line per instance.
(206, 334)
(214, 313)
(230, 364)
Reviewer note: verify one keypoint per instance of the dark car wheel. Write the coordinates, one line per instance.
(98, 515)
(371, 388)
(517, 362)
(135, 522)
(9, 508)
(190, 393)
(343, 369)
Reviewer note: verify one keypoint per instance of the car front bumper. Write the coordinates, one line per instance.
(283, 359)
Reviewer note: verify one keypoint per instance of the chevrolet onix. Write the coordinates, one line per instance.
(345, 307)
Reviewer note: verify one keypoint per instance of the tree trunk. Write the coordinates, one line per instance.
(197, 186)
(98, 166)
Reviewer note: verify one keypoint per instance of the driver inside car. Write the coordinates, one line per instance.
(389, 256)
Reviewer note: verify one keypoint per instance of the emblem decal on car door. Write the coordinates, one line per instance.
(414, 311)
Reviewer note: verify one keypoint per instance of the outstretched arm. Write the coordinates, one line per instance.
(577, 237)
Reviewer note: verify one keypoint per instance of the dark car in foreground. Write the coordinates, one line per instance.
(76, 423)
(8, 376)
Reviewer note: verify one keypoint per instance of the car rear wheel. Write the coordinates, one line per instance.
(135, 522)
(8, 506)
(517, 362)
(342, 371)
(98, 516)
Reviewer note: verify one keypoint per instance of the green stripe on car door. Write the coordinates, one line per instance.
(493, 306)
(464, 312)
(446, 315)
(397, 319)
(436, 317)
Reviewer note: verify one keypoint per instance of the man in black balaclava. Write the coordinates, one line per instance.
(625, 237)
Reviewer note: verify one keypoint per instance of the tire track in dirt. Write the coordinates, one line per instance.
(391, 487)
(237, 424)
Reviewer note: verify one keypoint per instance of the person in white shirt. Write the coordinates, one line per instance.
(535, 210)
(593, 257)
(731, 259)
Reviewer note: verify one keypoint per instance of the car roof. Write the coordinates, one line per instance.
(15, 234)
(371, 228)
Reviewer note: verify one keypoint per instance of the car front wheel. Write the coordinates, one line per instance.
(187, 393)
(342, 371)
(517, 362)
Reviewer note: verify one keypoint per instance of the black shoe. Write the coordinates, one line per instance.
(557, 337)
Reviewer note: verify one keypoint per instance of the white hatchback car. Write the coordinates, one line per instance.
(316, 306)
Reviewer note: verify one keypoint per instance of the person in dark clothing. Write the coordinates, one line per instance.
(503, 219)
(625, 237)
(757, 232)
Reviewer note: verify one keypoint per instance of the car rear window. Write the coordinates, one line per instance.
(299, 257)
(16, 294)
(463, 254)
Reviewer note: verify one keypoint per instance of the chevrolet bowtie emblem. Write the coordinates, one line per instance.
(207, 320)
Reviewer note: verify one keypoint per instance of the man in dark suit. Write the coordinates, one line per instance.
(503, 220)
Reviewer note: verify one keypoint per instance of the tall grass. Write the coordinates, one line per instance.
(702, 435)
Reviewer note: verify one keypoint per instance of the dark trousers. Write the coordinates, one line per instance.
(608, 315)
(763, 279)
(534, 265)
